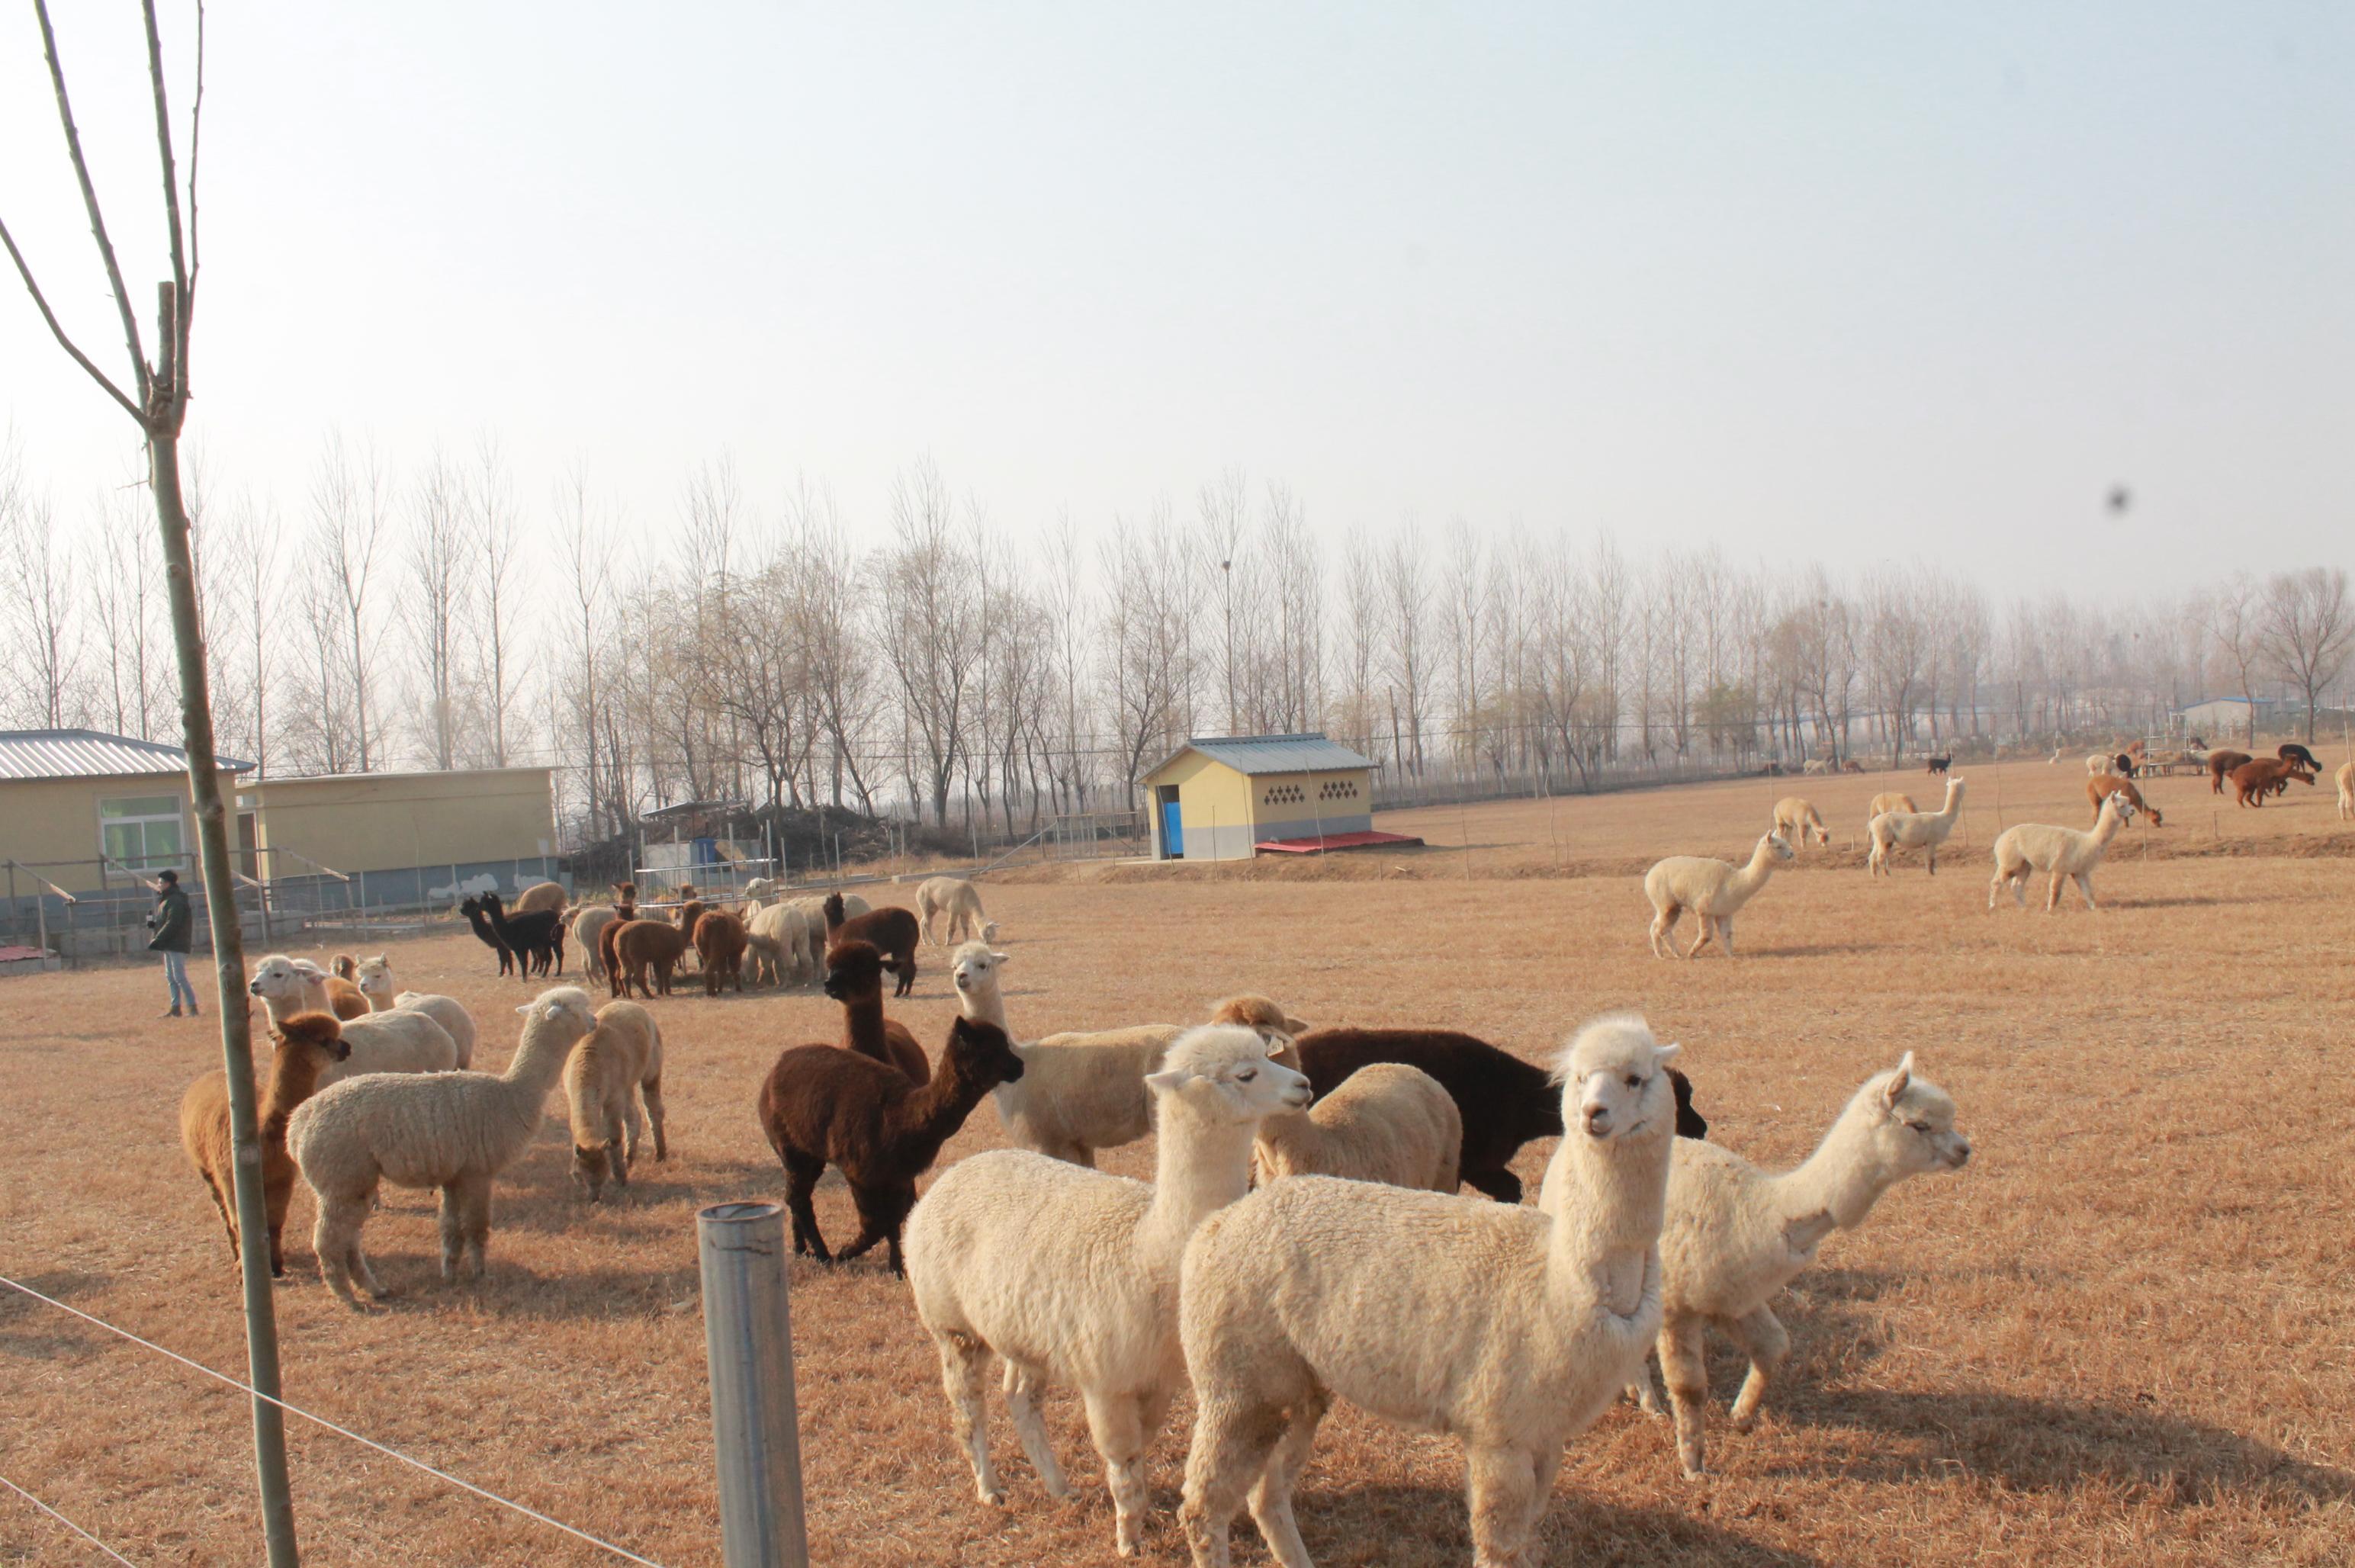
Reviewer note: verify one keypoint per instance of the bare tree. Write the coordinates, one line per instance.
(436, 605)
(43, 657)
(497, 535)
(128, 597)
(348, 507)
(2236, 620)
(1407, 589)
(929, 620)
(2308, 629)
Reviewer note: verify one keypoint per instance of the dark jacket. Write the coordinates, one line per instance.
(173, 921)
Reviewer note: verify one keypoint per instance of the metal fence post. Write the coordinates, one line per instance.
(748, 1337)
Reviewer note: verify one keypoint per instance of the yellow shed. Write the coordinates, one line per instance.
(87, 810)
(415, 837)
(1228, 797)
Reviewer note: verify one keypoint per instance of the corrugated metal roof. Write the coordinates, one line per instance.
(90, 753)
(1309, 753)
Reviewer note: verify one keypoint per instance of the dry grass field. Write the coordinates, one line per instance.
(2125, 1334)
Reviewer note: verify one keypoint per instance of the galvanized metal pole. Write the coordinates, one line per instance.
(748, 1337)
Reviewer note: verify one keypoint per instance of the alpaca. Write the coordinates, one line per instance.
(542, 896)
(778, 936)
(1387, 1123)
(2291, 751)
(538, 935)
(1713, 889)
(451, 1130)
(854, 976)
(1935, 764)
(1924, 830)
(589, 923)
(642, 943)
(1508, 1327)
(396, 1041)
(957, 902)
(1071, 1275)
(375, 981)
(479, 919)
(822, 1105)
(687, 917)
(1078, 1092)
(308, 1044)
(894, 931)
(2098, 790)
(1735, 1235)
(625, 909)
(720, 945)
(1501, 1101)
(619, 1060)
(1263, 1015)
(2345, 779)
(2064, 852)
(1796, 817)
(344, 998)
(1887, 800)
(2220, 762)
(2100, 763)
(2252, 781)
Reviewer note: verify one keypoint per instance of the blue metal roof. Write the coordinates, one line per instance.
(91, 753)
(1310, 754)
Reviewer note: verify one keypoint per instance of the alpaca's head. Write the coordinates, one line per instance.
(1615, 1081)
(344, 966)
(279, 978)
(975, 968)
(1777, 847)
(1224, 1072)
(1954, 791)
(565, 1010)
(853, 969)
(1911, 1123)
(469, 906)
(320, 1031)
(759, 887)
(979, 1052)
(989, 931)
(1263, 1018)
(494, 906)
(837, 911)
(374, 977)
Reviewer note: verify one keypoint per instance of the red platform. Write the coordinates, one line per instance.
(1333, 841)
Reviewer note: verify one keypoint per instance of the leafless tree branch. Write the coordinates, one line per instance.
(58, 330)
(97, 217)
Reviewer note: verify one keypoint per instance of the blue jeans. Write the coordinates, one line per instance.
(176, 973)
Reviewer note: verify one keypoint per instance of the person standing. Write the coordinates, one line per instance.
(172, 922)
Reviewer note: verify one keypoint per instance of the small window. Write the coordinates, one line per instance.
(143, 833)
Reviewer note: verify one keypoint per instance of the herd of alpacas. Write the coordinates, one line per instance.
(1304, 1237)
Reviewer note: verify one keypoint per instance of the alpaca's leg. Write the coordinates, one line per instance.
(1506, 1503)
(1708, 933)
(1232, 1440)
(453, 1229)
(801, 1173)
(633, 1122)
(1664, 926)
(2085, 888)
(335, 1238)
(1762, 1337)
(475, 1217)
(1725, 935)
(228, 1218)
(653, 1090)
(964, 1367)
(2052, 892)
(1934, 859)
(1688, 1379)
(1645, 1391)
(1271, 1498)
(1116, 1422)
(882, 1211)
(1022, 1386)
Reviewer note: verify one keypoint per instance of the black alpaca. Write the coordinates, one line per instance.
(473, 909)
(538, 936)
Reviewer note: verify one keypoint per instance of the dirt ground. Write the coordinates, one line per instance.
(2125, 1334)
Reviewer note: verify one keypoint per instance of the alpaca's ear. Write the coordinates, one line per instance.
(1168, 1081)
(1000, 957)
(526, 1008)
(1295, 1026)
(1899, 1079)
(1661, 1053)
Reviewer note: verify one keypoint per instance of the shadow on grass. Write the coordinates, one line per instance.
(1369, 1525)
(33, 1330)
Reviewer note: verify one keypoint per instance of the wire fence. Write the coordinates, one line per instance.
(622, 1552)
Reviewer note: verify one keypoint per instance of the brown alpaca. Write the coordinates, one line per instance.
(344, 997)
(625, 909)
(823, 1105)
(2219, 764)
(689, 911)
(894, 931)
(643, 942)
(308, 1043)
(720, 947)
(2252, 782)
(854, 976)
(2101, 787)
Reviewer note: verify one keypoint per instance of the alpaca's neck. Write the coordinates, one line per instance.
(930, 1115)
(1954, 806)
(293, 1077)
(1838, 1185)
(984, 1005)
(1609, 1200)
(2107, 828)
(1299, 1139)
(379, 1001)
(1199, 1166)
(1753, 877)
(538, 1062)
(862, 1026)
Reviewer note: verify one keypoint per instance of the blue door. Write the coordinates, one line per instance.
(1173, 827)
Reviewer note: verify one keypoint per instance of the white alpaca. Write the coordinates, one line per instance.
(778, 935)
(374, 977)
(1923, 830)
(1796, 817)
(1072, 1275)
(396, 1041)
(1511, 1328)
(620, 1058)
(449, 1130)
(1815, 766)
(957, 902)
(1735, 1234)
(1888, 800)
(1385, 1121)
(1715, 891)
(2067, 854)
(589, 923)
(2345, 777)
(812, 908)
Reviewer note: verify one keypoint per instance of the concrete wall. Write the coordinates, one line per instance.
(394, 822)
(46, 821)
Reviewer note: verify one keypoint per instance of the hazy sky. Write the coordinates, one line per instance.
(1833, 280)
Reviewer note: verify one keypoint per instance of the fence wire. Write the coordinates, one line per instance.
(622, 1553)
(69, 1525)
